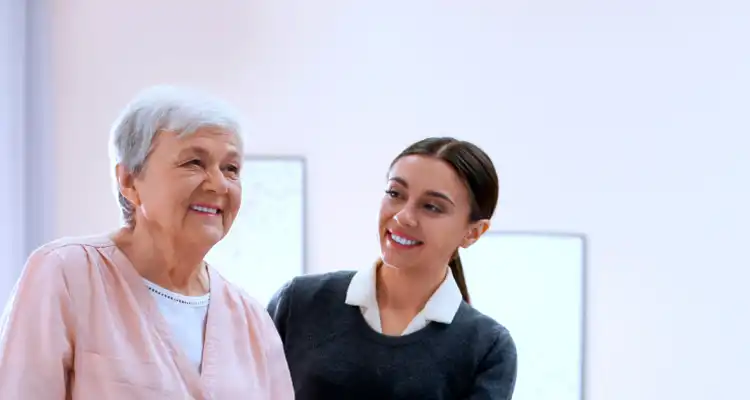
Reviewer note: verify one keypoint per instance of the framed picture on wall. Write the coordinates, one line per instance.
(266, 245)
(534, 284)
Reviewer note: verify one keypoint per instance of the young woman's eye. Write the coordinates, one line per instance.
(391, 193)
(433, 208)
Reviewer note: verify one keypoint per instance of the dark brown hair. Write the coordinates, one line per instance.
(474, 167)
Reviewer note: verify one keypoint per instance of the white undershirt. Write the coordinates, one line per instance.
(186, 315)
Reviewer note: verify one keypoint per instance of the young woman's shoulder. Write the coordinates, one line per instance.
(481, 326)
(496, 351)
(308, 287)
(323, 281)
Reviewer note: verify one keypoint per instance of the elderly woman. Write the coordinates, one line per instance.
(138, 314)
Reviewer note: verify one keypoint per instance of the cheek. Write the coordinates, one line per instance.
(445, 238)
(235, 200)
(156, 199)
(386, 213)
(172, 196)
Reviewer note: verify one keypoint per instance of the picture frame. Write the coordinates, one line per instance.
(267, 243)
(534, 283)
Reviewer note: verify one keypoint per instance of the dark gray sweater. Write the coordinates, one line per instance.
(334, 354)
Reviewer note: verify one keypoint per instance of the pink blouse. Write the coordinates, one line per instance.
(81, 324)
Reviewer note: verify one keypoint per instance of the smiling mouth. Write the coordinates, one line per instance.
(402, 240)
(205, 209)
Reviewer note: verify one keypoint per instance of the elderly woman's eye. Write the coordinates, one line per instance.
(233, 169)
(192, 163)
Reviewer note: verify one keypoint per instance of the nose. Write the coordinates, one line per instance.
(216, 181)
(405, 217)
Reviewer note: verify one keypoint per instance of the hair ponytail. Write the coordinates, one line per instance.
(457, 269)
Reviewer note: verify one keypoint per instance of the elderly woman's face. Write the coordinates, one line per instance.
(190, 186)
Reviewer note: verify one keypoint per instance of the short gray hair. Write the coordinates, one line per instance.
(162, 108)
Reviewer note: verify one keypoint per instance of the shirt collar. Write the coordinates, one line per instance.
(441, 307)
(444, 303)
(361, 291)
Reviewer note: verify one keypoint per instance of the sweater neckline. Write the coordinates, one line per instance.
(366, 330)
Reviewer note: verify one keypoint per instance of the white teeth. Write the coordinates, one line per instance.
(404, 241)
(205, 209)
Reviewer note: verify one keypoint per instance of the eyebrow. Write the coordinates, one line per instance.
(204, 153)
(431, 193)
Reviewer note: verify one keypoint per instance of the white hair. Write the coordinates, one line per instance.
(163, 108)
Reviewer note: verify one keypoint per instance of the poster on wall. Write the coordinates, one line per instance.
(533, 284)
(266, 245)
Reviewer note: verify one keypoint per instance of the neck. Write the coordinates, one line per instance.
(164, 262)
(407, 290)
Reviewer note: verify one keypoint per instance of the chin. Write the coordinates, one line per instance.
(206, 239)
(213, 238)
(395, 262)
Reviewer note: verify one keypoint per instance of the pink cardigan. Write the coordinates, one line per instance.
(81, 324)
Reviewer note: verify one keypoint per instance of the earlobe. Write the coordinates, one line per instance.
(467, 242)
(485, 228)
(471, 237)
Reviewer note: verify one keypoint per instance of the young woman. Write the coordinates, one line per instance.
(404, 328)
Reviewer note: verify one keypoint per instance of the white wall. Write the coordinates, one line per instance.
(12, 69)
(26, 141)
(624, 120)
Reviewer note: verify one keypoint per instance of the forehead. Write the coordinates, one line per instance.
(207, 140)
(424, 173)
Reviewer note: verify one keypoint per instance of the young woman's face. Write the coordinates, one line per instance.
(424, 215)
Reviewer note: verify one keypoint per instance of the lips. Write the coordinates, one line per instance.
(403, 239)
(206, 208)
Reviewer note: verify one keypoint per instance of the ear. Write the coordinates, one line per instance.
(476, 230)
(126, 185)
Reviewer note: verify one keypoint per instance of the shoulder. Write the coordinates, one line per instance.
(493, 355)
(235, 294)
(321, 288)
(234, 298)
(323, 281)
(247, 315)
(66, 255)
(57, 271)
(314, 286)
(483, 329)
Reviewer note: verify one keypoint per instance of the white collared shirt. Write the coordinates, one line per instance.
(441, 307)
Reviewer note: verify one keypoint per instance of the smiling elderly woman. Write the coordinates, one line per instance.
(138, 314)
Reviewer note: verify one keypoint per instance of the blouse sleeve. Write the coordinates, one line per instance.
(278, 369)
(37, 330)
(496, 377)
